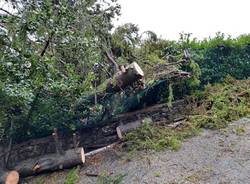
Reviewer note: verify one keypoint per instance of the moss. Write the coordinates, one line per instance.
(174, 143)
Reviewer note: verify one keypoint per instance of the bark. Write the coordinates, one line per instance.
(103, 135)
(124, 78)
(51, 162)
(9, 177)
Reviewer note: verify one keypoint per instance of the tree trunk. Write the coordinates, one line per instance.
(51, 162)
(9, 177)
(125, 77)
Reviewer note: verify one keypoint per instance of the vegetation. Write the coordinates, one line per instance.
(52, 56)
(107, 179)
(223, 103)
(218, 105)
(73, 176)
(49, 53)
(158, 138)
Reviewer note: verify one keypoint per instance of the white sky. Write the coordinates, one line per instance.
(203, 18)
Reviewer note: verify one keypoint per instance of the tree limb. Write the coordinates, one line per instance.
(46, 45)
(110, 57)
(5, 11)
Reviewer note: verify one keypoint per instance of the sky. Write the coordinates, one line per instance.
(168, 18)
(202, 18)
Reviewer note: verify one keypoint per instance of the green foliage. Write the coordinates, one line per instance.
(124, 40)
(73, 176)
(219, 105)
(158, 138)
(107, 179)
(240, 130)
(47, 57)
(223, 103)
(221, 56)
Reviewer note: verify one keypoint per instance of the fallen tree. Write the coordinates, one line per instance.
(98, 133)
(51, 162)
(100, 136)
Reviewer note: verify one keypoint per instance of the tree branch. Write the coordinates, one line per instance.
(5, 11)
(110, 57)
(46, 45)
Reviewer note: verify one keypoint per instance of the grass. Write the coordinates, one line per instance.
(200, 175)
(107, 179)
(40, 180)
(157, 174)
(240, 130)
(219, 104)
(73, 176)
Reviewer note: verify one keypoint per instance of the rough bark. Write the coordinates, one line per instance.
(103, 135)
(9, 177)
(51, 162)
(125, 77)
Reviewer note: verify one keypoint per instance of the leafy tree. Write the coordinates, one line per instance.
(48, 50)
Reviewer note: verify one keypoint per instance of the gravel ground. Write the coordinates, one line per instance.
(216, 157)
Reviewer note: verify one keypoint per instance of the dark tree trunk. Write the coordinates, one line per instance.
(51, 162)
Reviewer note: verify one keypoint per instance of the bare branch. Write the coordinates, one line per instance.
(1, 9)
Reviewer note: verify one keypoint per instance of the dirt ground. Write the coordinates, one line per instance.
(213, 157)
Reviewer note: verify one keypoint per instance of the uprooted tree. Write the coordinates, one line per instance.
(71, 73)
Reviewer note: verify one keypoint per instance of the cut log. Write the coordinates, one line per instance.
(124, 129)
(51, 162)
(124, 78)
(9, 177)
